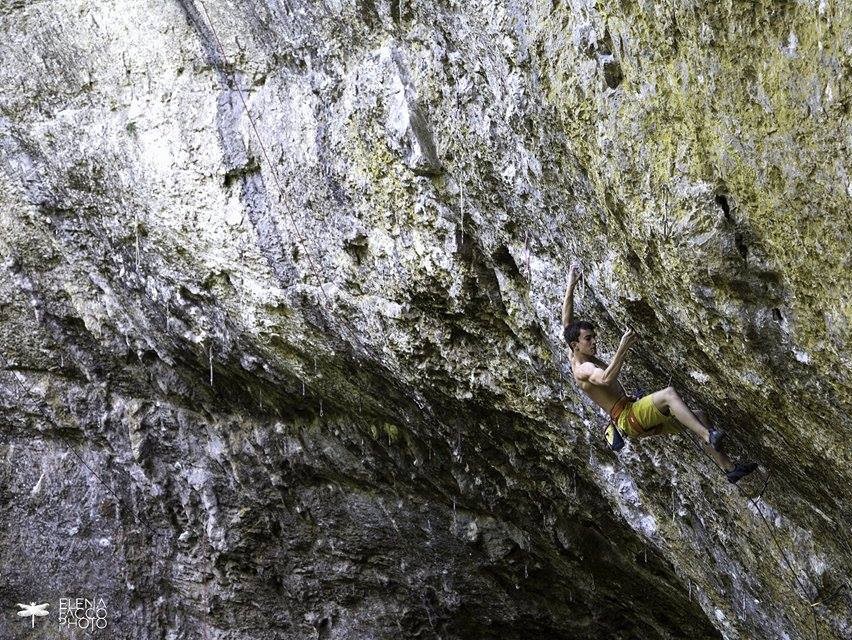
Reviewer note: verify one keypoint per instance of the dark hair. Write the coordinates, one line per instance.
(571, 332)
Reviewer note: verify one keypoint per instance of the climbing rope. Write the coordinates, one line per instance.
(771, 534)
(273, 171)
(753, 500)
(344, 321)
(70, 443)
(313, 270)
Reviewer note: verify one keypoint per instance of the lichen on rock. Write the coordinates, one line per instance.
(279, 316)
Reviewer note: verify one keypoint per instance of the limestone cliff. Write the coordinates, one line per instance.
(279, 316)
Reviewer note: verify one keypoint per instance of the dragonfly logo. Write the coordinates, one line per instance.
(32, 610)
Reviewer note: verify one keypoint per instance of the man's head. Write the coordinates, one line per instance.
(581, 338)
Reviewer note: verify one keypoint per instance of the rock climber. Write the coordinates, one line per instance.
(661, 412)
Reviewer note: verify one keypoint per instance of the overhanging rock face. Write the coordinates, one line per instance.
(280, 330)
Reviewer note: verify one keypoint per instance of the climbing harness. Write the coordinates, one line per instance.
(614, 437)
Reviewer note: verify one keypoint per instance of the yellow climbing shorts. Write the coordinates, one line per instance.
(651, 420)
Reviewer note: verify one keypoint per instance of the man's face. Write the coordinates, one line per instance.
(587, 344)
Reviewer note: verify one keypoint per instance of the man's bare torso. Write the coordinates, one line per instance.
(604, 396)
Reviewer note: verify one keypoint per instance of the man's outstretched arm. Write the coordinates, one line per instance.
(568, 302)
(605, 377)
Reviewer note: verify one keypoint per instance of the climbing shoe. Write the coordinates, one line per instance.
(716, 436)
(741, 470)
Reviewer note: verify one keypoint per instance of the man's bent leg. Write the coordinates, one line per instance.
(668, 401)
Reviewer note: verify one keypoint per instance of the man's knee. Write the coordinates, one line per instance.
(663, 399)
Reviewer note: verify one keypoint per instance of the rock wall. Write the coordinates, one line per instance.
(279, 316)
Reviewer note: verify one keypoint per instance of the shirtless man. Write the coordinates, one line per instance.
(657, 413)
